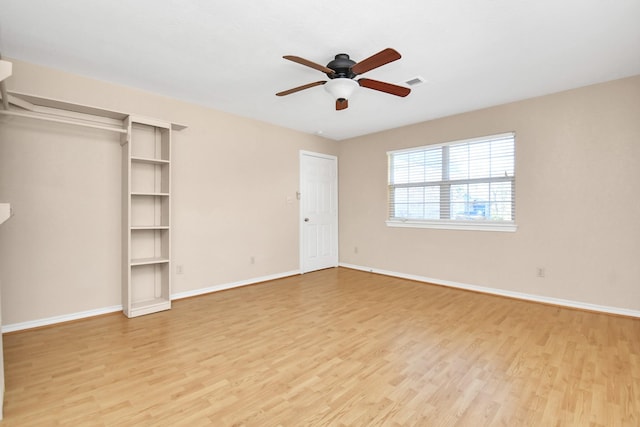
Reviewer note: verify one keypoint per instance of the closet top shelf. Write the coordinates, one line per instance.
(39, 101)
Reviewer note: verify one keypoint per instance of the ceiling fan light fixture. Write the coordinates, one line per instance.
(341, 88)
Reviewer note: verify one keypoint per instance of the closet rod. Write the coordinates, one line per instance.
(59, 120)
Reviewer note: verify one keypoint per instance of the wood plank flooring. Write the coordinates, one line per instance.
(336, 347)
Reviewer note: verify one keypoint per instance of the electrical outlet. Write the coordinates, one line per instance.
(355, 249)
(252, 260)
(540, 272)
(179, 269)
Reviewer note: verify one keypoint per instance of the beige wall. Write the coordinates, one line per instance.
(577, 195)
(60, 253)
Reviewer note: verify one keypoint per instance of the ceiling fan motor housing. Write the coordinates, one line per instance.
(341, 66)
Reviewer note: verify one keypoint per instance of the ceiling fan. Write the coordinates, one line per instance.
(342, 72)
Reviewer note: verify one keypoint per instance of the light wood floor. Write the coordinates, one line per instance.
(336, 347)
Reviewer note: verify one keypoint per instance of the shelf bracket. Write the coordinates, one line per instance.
(5, 212)
(25, 105)
(6, 69)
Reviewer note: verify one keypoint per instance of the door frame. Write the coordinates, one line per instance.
(301, 214)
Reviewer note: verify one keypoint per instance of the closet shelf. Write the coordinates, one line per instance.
(149, 194)
(150, 306)
(150, 161)
(40, 104)
(148, 261)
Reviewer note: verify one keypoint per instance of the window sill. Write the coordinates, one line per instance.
(453, 225)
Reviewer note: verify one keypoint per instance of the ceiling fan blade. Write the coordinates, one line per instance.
(309, 64)
(379, 59)
(385, 87)
(299, 88)
(341, 104)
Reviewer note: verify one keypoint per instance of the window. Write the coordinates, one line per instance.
(466, 184)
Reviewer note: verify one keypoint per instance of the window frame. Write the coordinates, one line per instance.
(444, 186)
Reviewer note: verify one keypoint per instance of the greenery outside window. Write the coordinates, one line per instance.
(467, 184)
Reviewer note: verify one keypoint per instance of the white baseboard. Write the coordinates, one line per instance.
(224, 286)
(517, 295)
(90, 313)
(501, 292)
(59, 319)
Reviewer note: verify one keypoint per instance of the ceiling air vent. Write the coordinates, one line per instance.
(415, 81)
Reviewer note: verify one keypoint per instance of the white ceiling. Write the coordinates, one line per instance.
(228, 54)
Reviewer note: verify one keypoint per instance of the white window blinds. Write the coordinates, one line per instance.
(460, 184)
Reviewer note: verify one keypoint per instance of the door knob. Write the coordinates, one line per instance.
(306, 220)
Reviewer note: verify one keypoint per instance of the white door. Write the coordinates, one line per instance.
(318, 211)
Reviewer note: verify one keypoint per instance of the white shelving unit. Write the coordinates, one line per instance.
(146, 211)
